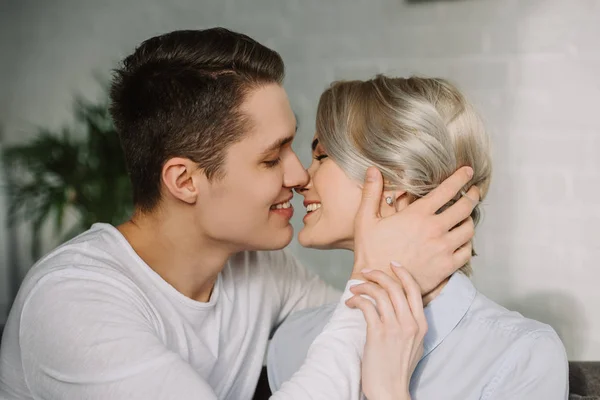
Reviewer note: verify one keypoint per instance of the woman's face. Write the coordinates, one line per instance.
(332, 200)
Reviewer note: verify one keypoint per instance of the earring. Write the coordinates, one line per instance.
(389, 200)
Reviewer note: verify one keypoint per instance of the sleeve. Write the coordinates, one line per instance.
(85, 338)
(298, 287)
(538, 369)
(332, 367)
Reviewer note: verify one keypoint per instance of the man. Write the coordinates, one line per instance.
(179, 302)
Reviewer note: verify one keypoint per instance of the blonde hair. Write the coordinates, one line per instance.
(417, 131)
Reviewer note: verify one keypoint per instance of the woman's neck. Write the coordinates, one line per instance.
(428, 297)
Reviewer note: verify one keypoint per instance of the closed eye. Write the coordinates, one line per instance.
(273, 163)
(322, 156)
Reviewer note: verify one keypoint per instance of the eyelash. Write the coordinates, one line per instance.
(273, 163)
(322, 156)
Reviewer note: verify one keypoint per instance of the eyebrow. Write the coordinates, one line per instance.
(279, 143)
(314, 144)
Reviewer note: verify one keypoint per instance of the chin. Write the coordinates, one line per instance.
(279, 239)
(307, 239)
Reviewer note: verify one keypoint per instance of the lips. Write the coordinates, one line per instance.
(283, 208)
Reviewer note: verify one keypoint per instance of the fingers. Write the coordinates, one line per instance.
(413, 295)
(394, 290)
(371, 195)
(460, 210)
(382, 300)
(368, 309)
(462, 256)
(473, 195)
(461, 235)
(445, 192)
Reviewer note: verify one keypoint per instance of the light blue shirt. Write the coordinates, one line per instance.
(474, 349)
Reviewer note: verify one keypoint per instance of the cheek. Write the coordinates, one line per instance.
(259, 188)
(270, 188)
(349, 203)
(245, 197)
(340, 197)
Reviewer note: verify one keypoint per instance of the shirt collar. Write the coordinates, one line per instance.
(445, 311)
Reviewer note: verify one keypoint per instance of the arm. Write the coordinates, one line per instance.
(332, 367)
(536, 369)
(91, 339)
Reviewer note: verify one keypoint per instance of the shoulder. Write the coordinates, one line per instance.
(72, 293)
(530, 352)
(501, 322)
(93, 266)
(99, 249)
(535, 367)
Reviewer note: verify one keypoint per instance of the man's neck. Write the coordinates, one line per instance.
(185, 258)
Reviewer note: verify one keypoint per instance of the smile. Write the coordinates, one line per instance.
(313, 207)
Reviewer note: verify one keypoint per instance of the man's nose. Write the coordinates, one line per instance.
(295, 176)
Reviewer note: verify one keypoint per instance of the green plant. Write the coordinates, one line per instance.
(77, 169)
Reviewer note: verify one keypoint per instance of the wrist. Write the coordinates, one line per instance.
(357, 270)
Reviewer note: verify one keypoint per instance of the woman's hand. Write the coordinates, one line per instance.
(396, 326)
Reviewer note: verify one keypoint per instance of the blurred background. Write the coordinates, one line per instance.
(532, 67)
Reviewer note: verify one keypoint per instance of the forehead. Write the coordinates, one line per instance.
(270, 114)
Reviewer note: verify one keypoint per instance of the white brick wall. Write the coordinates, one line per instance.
(532, 67)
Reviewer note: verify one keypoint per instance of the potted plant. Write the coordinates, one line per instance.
(78, 169)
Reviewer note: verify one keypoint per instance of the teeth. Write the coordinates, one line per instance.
(280, 206)
(312, 207)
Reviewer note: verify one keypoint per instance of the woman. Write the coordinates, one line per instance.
(417, 132)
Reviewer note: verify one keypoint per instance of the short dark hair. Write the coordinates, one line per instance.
(179, 95)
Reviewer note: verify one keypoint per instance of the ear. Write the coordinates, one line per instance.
(399, 201)
(180, 177)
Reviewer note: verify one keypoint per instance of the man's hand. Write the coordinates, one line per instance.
(430, 246)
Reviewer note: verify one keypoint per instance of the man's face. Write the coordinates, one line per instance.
(249, 208)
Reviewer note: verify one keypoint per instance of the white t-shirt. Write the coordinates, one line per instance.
(93, 321)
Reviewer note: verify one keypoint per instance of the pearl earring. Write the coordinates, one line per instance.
(389, 200)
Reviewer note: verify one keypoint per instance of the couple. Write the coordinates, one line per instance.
(180, 301)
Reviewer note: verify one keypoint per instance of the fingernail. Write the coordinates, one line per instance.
(366, 271)
(395, 264)
(470, 172)
(371, 175)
